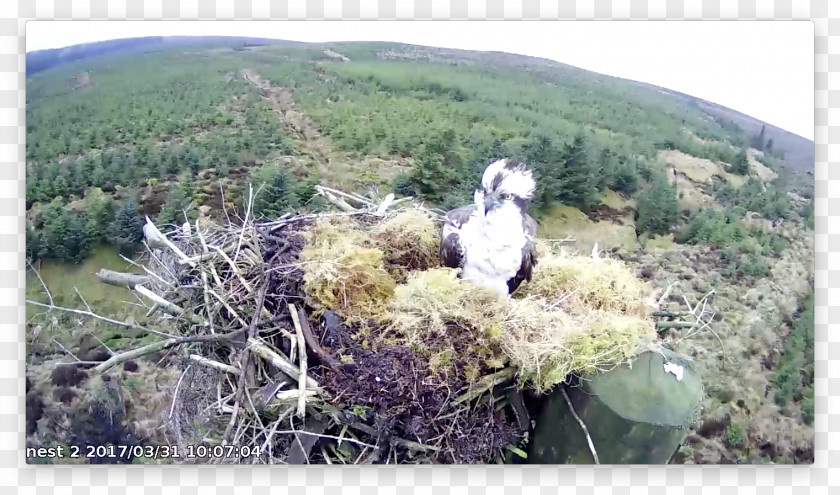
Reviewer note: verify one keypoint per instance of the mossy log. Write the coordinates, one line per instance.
(634, 414)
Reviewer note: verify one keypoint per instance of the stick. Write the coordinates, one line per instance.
(313, 343)
(240, 388)
(337, 201)
(244, 222)
(47, 291)
(485, 384)
(343, 194)
(582, 426)
(234, 268)
(177, 387)
(206, 251)
(150, 272)
(155, 234)
(107, 320)
(665, 294)
(389, 199)
(168, 306)
(279, 361)
(664, 325)
(160, 346)
(301, 406)
(215, 364)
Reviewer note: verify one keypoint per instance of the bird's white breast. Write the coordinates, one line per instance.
(492, 246)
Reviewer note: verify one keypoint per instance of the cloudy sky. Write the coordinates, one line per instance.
(762, 68)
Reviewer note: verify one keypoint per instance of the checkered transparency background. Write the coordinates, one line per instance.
(16, 475)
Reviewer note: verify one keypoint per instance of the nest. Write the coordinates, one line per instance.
(338, 338)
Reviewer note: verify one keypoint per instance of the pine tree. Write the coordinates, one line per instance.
(76, 242)
(741, 165)
(277, 195)
(757, 141)
(100, 215)
(577, 182)
(437, 169)
(179, 200)
(56, 224)
(127, 228)
(656, 208)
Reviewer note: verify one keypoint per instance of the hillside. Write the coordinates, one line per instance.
(176, 129)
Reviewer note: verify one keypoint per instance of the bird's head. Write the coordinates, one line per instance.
(507, 181)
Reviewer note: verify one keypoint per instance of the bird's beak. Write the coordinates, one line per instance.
(490, 202)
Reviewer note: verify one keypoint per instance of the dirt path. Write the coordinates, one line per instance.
(336, 168)
(295, 122)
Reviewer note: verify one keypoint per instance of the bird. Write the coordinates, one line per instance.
(492, 240)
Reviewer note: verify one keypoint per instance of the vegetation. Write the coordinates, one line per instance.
(754, 196)
(794, 377)
(656, 209)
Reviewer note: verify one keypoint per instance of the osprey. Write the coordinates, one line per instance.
(492, 241)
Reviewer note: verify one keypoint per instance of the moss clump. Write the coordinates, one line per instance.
(430, 301)
(543, 342)
(410, 241)
(341, 273)
(586, 284)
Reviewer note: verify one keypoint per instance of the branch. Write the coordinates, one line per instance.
(160, 346)
(118, 323)
(154, 238)
(168, 306)
(313, 343)
(582, 426)
(335, 192)
(47, 291)
(301, 406)
(486, 383)
(263, 351)
(215, 364)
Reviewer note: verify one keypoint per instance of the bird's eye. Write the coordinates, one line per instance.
(508, 197)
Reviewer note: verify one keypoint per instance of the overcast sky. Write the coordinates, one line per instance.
(762, 68)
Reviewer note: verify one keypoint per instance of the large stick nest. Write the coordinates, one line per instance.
(338, 338)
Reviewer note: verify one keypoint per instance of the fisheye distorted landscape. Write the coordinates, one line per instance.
(223, 193)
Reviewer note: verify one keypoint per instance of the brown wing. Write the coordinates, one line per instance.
(529, 255)
(451, 250)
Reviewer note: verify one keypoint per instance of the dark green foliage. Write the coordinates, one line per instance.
(656, 208)
(403, 185)
(178, 201)
(741, 164)
(63, 235)
(757, 141)
(567, 174)
(55, 227)
(754, 266)
(437, 167)
(576, 181)
(76, 242)
(794, 377)
(127, 228)
(100, 215)
(713, 227)
(276, 192)
(736, 435)
(754, 196)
